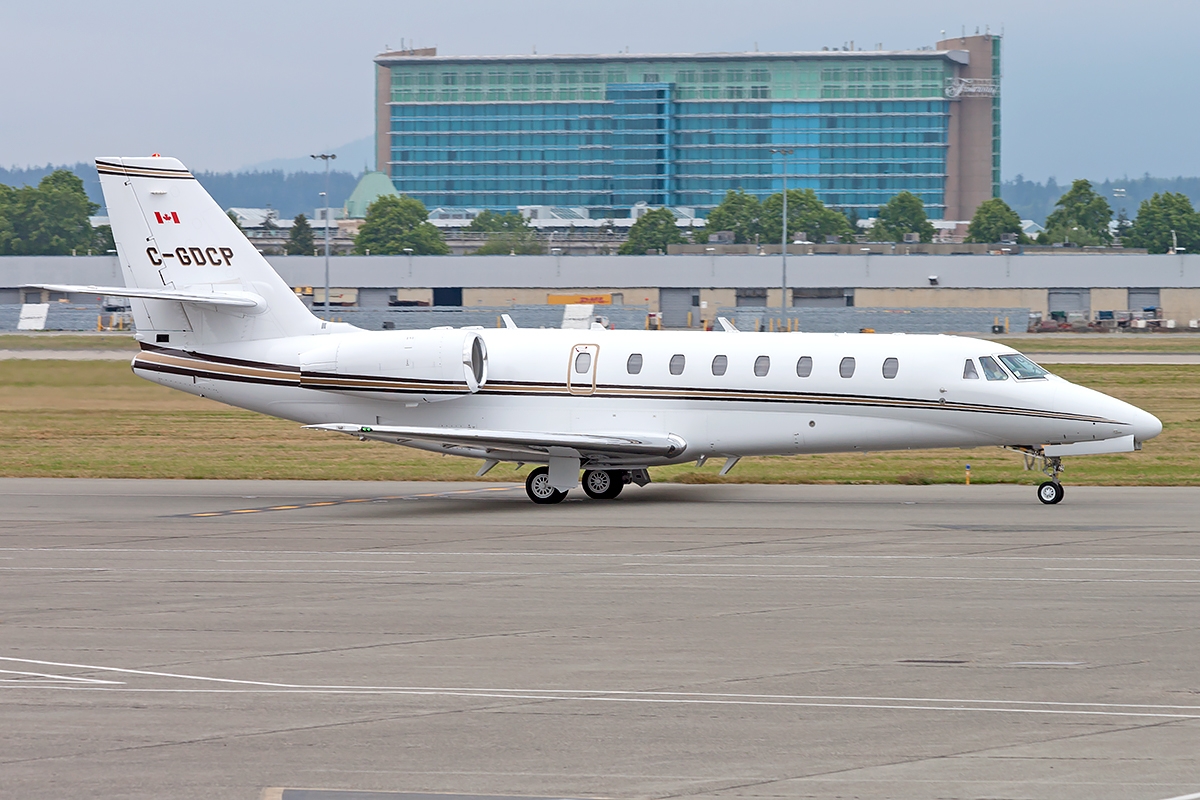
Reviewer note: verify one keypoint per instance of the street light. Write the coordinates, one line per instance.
(326, 157)
(785, 152)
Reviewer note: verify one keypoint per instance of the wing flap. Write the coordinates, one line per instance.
(247, 300)
(537, 442)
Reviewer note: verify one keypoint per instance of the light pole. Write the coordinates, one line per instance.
(785, 152)
(326, 157)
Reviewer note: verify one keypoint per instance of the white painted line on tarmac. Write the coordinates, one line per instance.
(1157, 711)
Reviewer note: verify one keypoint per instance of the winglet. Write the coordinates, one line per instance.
(508, 321)
(726, 325)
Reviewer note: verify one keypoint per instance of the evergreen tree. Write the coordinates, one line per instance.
(1079, 216)
(993, 219)
(904, 213)
(654, 231)
(1160, 215)
(395, 223)
(300, 238)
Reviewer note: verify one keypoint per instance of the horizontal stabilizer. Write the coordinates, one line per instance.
(247, 300)
(660, 445)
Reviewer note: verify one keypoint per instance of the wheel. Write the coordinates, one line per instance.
(1051, 493)
(602, 485)
(538, 487)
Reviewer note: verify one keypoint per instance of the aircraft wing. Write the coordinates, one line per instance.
(536, 444)
(235, 299)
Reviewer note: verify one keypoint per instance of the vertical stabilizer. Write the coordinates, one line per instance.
(172, 235)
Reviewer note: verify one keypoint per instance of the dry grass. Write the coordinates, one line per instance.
(67, 341)
(96, 419)
(1185, 343)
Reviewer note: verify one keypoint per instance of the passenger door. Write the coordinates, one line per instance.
(581, 370)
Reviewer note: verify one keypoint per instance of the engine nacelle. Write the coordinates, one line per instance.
(421, 366)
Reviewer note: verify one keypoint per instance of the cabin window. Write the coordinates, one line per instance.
(1022, 367)
(634, 365)
(891, 366)
(677, 362)
(804, 365)
(721, 363)
(583, 361)
(846, 368)
(762, 364)
(992, 370)
(969, 372)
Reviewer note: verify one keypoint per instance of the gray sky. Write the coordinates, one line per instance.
(1091, 88)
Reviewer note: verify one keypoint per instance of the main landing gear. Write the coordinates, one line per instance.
(603, 484)
(598, 484)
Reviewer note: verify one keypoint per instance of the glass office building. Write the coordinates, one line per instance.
(608, 132)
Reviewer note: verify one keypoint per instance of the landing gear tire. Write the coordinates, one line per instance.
(1051, 492)
(603, 484)
(538, 487)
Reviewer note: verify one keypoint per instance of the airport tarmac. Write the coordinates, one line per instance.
(195, 639)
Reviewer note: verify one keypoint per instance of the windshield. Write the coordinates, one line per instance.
(1022, 367)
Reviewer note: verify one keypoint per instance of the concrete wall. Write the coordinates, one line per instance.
(1180, 305)
(1033, 299)
(1110, 300)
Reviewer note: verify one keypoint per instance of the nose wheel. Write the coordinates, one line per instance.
(1051, 492)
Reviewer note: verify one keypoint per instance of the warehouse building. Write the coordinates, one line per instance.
(676, 285)
(606, 133)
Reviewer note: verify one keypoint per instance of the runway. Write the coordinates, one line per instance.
(201, 639)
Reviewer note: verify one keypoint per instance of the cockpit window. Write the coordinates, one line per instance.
(969, 372)
(992, 370)
(1022, 367)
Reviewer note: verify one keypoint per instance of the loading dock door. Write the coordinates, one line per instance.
(674, 304)
(1070, 300)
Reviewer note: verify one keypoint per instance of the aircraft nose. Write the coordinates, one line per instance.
(1146, 426)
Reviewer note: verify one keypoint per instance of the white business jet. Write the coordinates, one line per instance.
(215, 320)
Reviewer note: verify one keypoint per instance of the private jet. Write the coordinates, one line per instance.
(214, 319)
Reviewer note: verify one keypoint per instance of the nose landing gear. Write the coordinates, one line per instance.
(1051, 492)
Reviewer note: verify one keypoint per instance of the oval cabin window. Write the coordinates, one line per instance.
(846, 368)
(583, 361)
(762, 364)
(677, 362)
(720, 364)
(804, 365)
(634, 365)
(891, 366)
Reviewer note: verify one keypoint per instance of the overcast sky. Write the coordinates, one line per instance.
(1091, 88)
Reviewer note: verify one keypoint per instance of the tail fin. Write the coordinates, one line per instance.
(172, 236)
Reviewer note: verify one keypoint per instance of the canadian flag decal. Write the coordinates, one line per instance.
(169, 216)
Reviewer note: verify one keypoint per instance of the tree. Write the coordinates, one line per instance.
(51, 219)
(738, 212)
(491, 222)
(506, 234)
(1082, 212)
(806, 214)
(102, 240)
(300, 238)
(993, 219)
(654, 231)
(233, 218)
(1160, 215)
(904, 213)
(394, 224)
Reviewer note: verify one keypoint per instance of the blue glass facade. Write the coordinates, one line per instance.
(607, 141)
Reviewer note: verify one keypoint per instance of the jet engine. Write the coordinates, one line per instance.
(421, 366)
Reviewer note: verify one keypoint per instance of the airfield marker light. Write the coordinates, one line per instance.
(968, 474)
